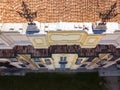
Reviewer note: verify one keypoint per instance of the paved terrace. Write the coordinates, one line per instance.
(82, 52)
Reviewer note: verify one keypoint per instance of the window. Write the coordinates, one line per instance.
(37, 60)
(101, 62)
(62, 66)
(46, 26)
(113, 58)
(90, 59)
(41, 65)
(22, 65)
(24, 62)
(84, 65)
(62, 63)
(63, 59)
(4, 63)
(118, 62)
(11, 29)
(101, 65)
(47, 61)
(13, 60)
(78, 61)
(110, 56)
(20, 28)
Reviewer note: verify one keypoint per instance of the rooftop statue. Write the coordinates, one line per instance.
(27, 13)
(108, 14)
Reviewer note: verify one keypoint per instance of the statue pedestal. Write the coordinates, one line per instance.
(100, 28)
(32, 28)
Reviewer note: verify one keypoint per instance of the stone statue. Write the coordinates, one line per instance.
(108, 14)
(27, 13)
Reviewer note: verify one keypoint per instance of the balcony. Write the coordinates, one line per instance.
(63, 62)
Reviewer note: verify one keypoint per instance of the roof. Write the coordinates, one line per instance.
(58, 10)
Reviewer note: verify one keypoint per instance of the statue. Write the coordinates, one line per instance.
(27, 14)
(108, 14)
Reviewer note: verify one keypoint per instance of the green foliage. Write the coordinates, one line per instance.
(51, 81)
